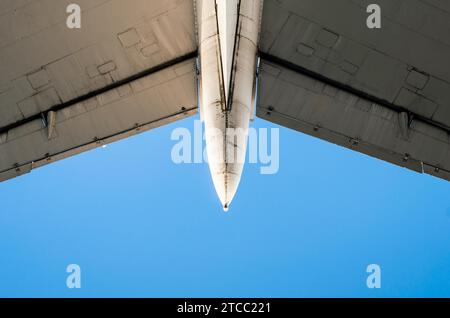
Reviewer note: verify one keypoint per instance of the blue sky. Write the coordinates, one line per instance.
(139, 225)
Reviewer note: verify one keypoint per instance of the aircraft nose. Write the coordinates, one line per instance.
(226, 182)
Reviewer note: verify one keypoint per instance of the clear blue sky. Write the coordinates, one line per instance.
(138, 225)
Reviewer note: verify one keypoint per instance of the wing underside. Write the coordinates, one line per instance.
(382, 92)
(130, 68)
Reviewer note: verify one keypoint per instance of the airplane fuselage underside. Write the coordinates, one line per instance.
(228, 36)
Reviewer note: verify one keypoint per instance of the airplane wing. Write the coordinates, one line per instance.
(383, 92)
(128, 69)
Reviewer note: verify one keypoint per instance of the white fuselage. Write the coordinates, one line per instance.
(228, 39)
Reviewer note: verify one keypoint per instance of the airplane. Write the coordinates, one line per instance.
(325, 68)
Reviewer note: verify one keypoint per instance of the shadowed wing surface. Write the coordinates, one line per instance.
(383, 92)
(129, 68)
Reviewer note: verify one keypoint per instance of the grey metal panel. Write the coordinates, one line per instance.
(308, 105)
(406, 62)
(123, 111)
(44, 63)
(129, 68)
